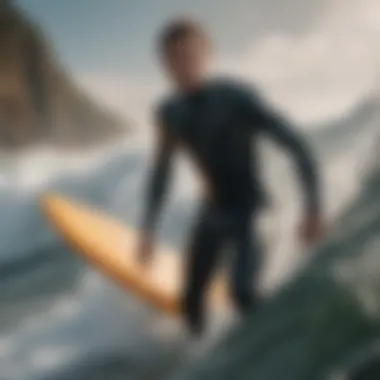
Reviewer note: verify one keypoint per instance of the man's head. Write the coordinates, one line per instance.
(184, 47)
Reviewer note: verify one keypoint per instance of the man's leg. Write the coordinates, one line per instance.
(203, 253)
(246, 260)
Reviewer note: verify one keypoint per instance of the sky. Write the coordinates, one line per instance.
(120, 33)
(312, 58)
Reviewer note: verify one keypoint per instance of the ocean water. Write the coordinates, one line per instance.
(60, 319)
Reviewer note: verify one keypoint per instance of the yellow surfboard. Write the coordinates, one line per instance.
(110, 246)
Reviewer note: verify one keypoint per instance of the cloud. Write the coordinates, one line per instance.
(319, 74)
(312, 76)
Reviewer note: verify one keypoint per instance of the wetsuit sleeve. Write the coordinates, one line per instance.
(280, 130)
(159, 175)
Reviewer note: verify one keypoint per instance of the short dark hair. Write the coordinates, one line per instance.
(180, 29)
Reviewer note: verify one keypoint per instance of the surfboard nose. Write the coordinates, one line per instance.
(51, 201)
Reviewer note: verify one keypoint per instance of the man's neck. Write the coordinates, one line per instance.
(194, 86)
(191, 88)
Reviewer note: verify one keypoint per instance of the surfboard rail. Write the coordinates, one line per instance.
(55, 208)
(109, 245)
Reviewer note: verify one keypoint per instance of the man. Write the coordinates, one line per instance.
(218, 122)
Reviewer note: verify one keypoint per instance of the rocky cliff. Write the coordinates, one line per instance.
(39, 101)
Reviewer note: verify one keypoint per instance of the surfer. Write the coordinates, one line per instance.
(218, 121)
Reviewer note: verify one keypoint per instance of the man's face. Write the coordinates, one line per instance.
(187, 60)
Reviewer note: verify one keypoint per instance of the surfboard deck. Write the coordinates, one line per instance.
(110, 246)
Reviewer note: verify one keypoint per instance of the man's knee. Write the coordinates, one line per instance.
(190, 299)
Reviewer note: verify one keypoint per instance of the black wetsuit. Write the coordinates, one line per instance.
(218, 125)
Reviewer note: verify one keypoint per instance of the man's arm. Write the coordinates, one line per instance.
(284, 134)
(281, 131)
(157, 186)
(158, 180)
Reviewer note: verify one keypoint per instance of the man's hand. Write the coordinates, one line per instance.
(145, 249)
(312, 230)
